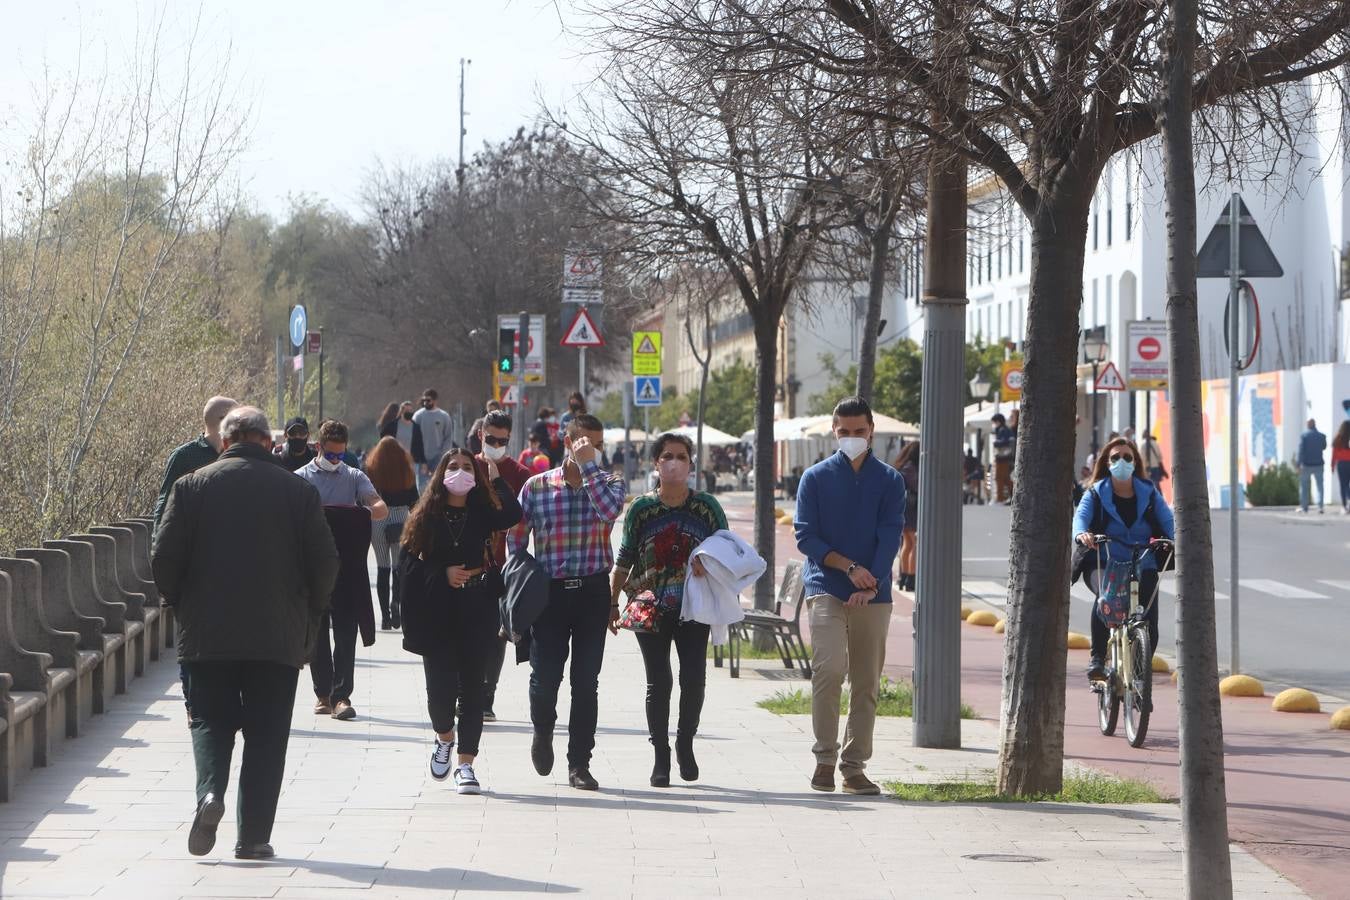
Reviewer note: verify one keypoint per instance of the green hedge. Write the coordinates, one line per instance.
(1275, 485)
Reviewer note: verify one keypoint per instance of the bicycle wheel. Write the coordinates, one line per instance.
(1108, 698)
(1139, 689)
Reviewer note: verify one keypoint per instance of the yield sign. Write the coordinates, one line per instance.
(1109, 379)
(582, 332)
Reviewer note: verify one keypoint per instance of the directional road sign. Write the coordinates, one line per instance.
(582, 332)
(1108, 379)
(646, 353)
(647, 390)
(299, 326)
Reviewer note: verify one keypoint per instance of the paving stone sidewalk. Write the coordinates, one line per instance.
(360, 816)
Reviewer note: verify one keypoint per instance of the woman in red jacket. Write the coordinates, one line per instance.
(1340, 458)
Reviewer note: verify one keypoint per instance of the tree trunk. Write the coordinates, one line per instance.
(880, 244)
(1031, 751)
(766, 526)
(1206, 867)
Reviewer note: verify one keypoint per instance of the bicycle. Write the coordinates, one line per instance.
(1129, 670)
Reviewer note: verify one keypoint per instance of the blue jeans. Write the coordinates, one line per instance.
(1307, 474)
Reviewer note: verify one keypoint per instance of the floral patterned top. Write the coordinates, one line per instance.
(658, 541)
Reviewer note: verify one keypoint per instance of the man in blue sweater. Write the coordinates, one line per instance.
(850, 512)
(1311, 445)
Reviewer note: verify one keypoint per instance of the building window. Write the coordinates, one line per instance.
(989, 264)
(1094, 226)
(1129, 198)
(1096, 320)
(1021, 252)
(1000, 260)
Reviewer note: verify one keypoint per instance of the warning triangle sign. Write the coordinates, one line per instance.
(646, 346)
(1255, 258)
(1109, 379)
(582, 332)
(511, 397)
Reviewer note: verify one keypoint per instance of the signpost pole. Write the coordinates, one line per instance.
(320, 373)
(281, 383)
(522, 350)
(1234, 272)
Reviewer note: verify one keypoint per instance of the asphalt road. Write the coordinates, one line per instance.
(1294, 591)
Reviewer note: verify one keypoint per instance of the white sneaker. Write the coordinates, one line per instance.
(465, 781)
(440, 759)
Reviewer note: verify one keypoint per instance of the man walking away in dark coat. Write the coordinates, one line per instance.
(188, 458)
(243, 637)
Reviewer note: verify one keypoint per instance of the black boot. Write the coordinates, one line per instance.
(684, 755)
(396, 604)
(382, 591)
(661, 768)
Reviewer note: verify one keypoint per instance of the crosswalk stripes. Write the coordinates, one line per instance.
(1169, 587)
(1280, 589)
(996, 594)
(1338, 585)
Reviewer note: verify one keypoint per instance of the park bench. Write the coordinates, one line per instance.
(61, 682)
(144, 528)
(26, 740)
(85, 596)
(130, 577)
(786, 633)
(111, 587)
(58, 607)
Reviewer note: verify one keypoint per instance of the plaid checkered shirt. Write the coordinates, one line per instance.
(571, 526)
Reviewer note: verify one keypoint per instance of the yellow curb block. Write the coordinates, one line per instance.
(965, 612)
(1000, 626)
(1340, 719)
(982, 617)
(1241, 686)
(1160, 665)
(1079, 641)
(1296, 700)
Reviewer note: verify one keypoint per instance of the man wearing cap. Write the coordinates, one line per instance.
(296, 453)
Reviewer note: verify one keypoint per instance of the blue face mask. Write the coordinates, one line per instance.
(1122, 469)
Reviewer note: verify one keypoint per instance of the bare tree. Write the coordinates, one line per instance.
(704, 165)
(1204, 808)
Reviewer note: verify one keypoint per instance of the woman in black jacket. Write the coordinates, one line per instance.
(450, 615)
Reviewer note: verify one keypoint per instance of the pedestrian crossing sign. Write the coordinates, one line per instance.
(646, 353)
(647, 390)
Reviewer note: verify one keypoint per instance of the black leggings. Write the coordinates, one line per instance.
(691, 645)
(1343, 473)
(1148, 590)
(454, 670)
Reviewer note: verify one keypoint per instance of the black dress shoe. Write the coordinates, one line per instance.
(202, 837)
(581, 780)
(541, 752)
(254, 851)
(684, 755)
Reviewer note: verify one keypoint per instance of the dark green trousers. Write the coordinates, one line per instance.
(255, 698)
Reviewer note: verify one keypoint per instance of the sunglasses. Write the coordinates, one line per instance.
(495, 441)
(332, 457)
(1114, 457)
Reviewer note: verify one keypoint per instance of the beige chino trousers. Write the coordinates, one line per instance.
(846, 640)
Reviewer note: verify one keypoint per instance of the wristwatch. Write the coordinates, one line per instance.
(851, 567)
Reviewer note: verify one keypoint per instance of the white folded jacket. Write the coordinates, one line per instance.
(714, 599)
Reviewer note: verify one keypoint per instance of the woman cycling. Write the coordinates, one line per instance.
(1127, 508)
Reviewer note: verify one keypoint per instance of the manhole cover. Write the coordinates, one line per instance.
(1003, 857)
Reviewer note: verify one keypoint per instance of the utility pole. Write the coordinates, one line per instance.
(1234, 481)
(320, 373)
(522, 351)
(281, 381)
(459, 172)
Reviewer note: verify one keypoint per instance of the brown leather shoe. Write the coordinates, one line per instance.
(860, 784)
(823, 779)
(322, 708)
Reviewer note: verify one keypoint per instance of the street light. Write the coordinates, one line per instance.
(979, 388)
(1095, 349)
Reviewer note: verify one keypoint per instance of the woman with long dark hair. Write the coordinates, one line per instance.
(907, 464)
(390, 469)
(450, 615)
(1340, 458)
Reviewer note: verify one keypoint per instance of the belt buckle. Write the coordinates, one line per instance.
(571, 584)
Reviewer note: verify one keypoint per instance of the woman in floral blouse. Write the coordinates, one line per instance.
(660, 533)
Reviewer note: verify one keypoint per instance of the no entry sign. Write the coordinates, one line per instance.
(1146, 368)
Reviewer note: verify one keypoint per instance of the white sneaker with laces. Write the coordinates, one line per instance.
(465, 781)
(440, 759)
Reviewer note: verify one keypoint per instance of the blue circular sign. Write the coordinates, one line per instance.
(299, 325)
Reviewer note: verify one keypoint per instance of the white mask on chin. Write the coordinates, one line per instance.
(853, 447)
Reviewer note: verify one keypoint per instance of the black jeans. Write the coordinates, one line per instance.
(492, 670)
(1343, 473)
(333, 670)
(1148, 590)
(579, 616)
(255, 698)
(691, 645)
(454, 672)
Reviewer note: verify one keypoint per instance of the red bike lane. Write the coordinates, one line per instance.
(1287, 775)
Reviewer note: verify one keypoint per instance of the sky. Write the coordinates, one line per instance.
(332, 87)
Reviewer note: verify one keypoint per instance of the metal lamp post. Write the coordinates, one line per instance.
(979, 389)
(1095, 349)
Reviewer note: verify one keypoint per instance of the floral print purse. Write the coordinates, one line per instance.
(642, 614)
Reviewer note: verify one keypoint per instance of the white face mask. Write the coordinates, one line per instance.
(493, 453)
(853, 447)
(326, 466)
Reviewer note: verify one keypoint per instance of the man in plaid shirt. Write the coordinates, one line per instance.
(571, 511)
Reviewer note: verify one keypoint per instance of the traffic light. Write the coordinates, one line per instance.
(506, 351)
